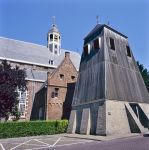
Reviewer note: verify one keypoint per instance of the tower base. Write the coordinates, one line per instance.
(109, 117)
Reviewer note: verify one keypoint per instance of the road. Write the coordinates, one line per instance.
(135, 143)
(66, 143)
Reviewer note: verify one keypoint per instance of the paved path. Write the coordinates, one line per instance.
(59, 142)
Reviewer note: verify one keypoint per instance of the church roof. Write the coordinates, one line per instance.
(33, 53)
(29, 53)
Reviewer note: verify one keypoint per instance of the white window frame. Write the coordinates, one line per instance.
(22, 101)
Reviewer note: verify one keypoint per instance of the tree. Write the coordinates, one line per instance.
(11, 79)
(145, 74)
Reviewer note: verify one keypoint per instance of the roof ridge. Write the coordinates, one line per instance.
(21, 41)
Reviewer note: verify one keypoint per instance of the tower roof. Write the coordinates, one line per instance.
(54, 26)
(97, 30)
(53, 29)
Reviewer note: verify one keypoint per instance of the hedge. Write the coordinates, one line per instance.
(32, 128)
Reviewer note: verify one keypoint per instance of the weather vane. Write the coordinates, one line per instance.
(53, 20)
(97, 19)
(108, 22)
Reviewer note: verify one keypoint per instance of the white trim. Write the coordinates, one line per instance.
(24, 102)
(20, 144)
(56, 141)
(36, 80)
(42, 142)
(27, 62)
(69, 144)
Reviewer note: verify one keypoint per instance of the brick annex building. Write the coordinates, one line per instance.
(51, 73)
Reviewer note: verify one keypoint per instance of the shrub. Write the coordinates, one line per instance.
(32, 128)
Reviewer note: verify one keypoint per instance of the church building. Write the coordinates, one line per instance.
(41, 63)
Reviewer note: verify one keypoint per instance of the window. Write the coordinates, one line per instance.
(73, 77)
(96, 44)
(55, 93)
(23, 96)
(55, 38)
(51, 47)
(51, 37)
(85, 50)
(51, 62)
(112, 46)
(55, 46)
(61, 76)
(128, 51)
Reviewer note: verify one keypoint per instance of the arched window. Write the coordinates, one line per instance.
(51, 62)
(51, 37)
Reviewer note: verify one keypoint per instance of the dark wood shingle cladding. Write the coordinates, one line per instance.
(110, 73)
(123, 80)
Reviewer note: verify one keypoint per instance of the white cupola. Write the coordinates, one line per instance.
(54, 39)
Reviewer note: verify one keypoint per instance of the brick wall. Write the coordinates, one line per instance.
(63, 78)
(32, 87)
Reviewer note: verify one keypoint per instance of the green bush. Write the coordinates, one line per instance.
(32, 128)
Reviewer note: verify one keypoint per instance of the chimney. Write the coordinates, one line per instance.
(67, 54)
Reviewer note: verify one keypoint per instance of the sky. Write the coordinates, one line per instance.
(30, 20)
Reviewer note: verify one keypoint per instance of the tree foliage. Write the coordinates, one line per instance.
(145, 73)
(11, 78)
